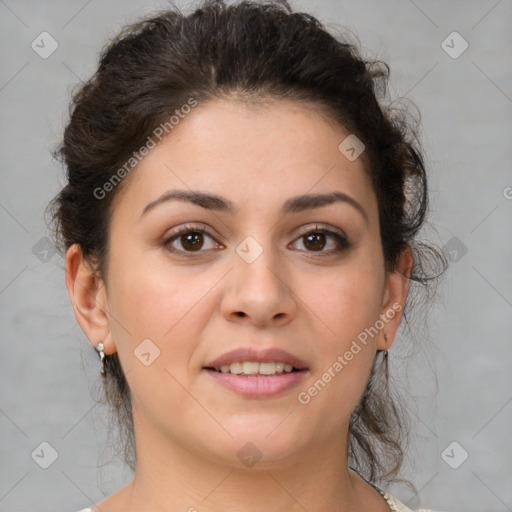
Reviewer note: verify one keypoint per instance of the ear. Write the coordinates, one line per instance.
(394, 297)
(88, 296)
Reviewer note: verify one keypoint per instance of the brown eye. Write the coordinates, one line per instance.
(192, 241)
(323, 241)
(314, 241)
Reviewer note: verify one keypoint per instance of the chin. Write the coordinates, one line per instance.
(268, 439)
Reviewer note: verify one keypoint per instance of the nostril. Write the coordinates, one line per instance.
(240, 313)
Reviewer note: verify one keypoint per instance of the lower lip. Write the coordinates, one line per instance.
(256, 386)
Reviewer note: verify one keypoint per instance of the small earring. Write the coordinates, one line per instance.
(102, 356)
(385, 351)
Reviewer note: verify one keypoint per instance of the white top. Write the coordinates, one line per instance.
(394, 505)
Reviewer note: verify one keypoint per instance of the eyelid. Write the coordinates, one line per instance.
(340, 237)
(184, 228)
(318, 226)
(187, 228)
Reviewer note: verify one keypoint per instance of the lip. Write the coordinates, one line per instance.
(259, 356)
(257, 386)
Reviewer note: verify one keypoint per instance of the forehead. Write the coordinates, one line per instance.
(253, 154)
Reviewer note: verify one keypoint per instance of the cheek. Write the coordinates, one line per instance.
(163, 306)
(348, 302)
(157, 321)
(347, 306)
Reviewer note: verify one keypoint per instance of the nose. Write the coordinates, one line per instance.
(258, 293)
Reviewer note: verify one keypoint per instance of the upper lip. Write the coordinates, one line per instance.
(261, 356)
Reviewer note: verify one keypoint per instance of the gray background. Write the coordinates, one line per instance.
(459, 379)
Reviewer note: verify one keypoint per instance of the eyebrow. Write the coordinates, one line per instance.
(221, 204)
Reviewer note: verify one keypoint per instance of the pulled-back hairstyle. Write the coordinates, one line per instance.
(245, 52)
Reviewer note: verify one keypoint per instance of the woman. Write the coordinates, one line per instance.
(239, 225)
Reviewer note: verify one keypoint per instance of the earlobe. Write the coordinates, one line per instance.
(87, 293)
(394, 298)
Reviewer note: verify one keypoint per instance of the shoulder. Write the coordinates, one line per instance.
(394, 504)
(397, 506)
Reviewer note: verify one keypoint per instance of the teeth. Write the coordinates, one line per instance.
(255, 368)
(251, 368)
(236, 368)
(266, 368)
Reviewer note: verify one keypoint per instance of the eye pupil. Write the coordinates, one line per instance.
(192, 241)
(315, 241)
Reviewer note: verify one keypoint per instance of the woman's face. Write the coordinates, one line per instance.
(256, 256)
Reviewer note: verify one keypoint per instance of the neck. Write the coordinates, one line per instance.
(169, 477)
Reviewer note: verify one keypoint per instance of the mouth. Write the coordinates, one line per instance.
(246, 368)
(257, 374)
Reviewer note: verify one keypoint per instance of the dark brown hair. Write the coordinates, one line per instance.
(247, 52)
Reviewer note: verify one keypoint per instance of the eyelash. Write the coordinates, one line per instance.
(341, 241)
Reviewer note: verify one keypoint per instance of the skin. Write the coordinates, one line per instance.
(188, 428)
